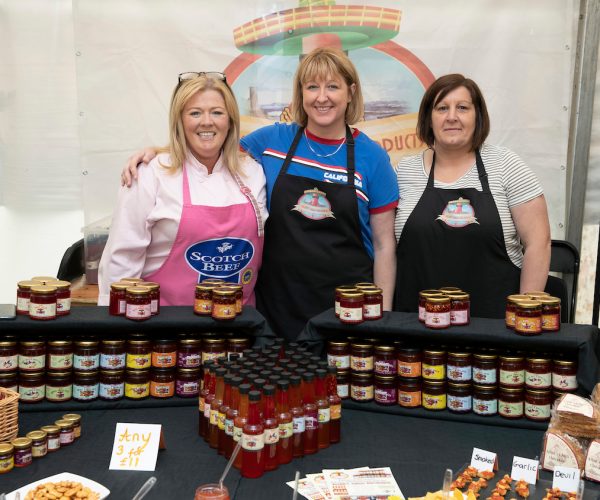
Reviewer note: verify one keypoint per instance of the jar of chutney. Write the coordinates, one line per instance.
(564, 375)
(485, 369)
(459, 398)
(434, 395)
(9, 356)
(112, 355)
(189, 353)
(528, 317)
(361, 387)
(137, 384)
(112, 385)
(164, 353)
(538, 404)
(385, 362)
(60, 355)
(351, 307)
(485, 400)
(117, 304)
(373, 304)
(361, 357)
(338, 295)
(86, 355)
(385, 390)
(42, 302)
(459, 367)
(510, 402)
(32, 356)
(550, 314)
(59, 386)
(434, 365)
(538, 373)
(338, 354)
(512, 371)
(223, 304)
(203, 301)
(409, 361)
(138, 303)
(409, 392)
(437, 312)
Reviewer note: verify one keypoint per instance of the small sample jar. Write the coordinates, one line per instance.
(203, 299)
(385, 390)
(239, 296)
(67, 432)
(187, 384)
(7, 457)
(32, 387)
(528, 317)
(338, 295)
(76, 420)
(59, 386)
(86, 355)
(459, 367)
(437, 312)
(112, 385)
(137, 384)
(60, 355)
(460, 308)
(434, 365)
(112, 355)
(189, 353)
(42, 302)
(164, 353)
(338, 354)
(434, 395)
(223, 304)
(53, 437)
(537, 404)
(409, 392)
(373, 304)
(162, 383)
(63, 297)
(138, 306)
(10, 380)
(154, 296)
(511, 371)
(485, 400)
(409, 361)
(564, 375)
(361, 357)
(459, 397)
(23, 296)
(384, 357)
(85, 386)
(351, 307)
(538, 373)
(212, 348)
(511, 309)
(39, 443)
(9, 356)
(343, 383)
(361, 387)
(23, 455)
(550, 313)
(139, 354)
(485, 369)
(423, 296)
(117, 303)
(510, 402)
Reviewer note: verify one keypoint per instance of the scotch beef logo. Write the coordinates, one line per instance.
(222, 258)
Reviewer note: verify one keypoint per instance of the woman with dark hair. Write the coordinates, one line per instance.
(471, 215)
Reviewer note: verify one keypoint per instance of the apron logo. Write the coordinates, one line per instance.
(458, 213)
(223, 258)
(313, 204)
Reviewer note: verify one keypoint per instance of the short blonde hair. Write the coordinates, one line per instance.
(177, 147)
(321, 63)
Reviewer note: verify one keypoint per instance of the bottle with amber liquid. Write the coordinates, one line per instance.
(335, 406)
(239, 421)
(323, 411)
(311, 414)
(213, 427)
(232, 412)
(202, 399)
(212, 383)
(223, 413)
(284, 421)
(253, 441)
(297, 416)
(271, 427)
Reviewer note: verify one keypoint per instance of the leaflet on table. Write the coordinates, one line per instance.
(321, 484)
(307, 489)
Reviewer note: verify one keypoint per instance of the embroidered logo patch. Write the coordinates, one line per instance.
(458, 213)
(223, 258)
(313, 204)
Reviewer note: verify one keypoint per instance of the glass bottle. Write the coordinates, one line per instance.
(221, 444)
(335, 406)
(285, 423)
(239, 421)
(311, 414)
(209, 398)
(253, 443)
(323, 411)
(232, 412)
(213, 429)
(271, 427)
(202, 400)
(297, 412)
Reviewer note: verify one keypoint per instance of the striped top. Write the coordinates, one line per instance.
(511, 183)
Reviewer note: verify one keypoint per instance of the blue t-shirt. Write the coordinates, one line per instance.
(374, 178)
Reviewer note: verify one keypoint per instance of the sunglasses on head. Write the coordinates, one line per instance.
(190, 75)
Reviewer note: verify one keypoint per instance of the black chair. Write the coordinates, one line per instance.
(564, 259)
(72, 265)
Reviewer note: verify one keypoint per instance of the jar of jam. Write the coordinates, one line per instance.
(437, 312)
(338, 354)
(485, 369)
(76, 420)
(39, 443)
(239, 296)
(32, 387)
(189, 353)
(63, 297)
(139, 354)
(203, 299)
(67, 433)
(154, 296)
(138, 303)
(361, 387)
(458, 367)
(59, 386)
(511, 309)
(23, 456)
(373, 304)
(528, 317)
(434, 365)
(223, 304)
(409, 392)
(351, 307)
(459, 397)
(385, 390)
(338, 295)
(409, 362)
(564, 375)
(85, 386)
(162, 383)
(7, 457)
(112, 355)
(132, 281)
(86, 355)
(137, 384)
(343, 383)
(9, 380)
(53, 437)
(112, 385)
(42, 302)
(237, 345)
(385, 360)
(537, 404)
(460, 308)
(361, 357)
(434, 395)
(510, 402)
(23, 295)
(512, 371)
(550, 313)
(188, 382)
(9, 356)
(117, 304)
(485, 400)
(213, 348)
(538, 374)
(164, 353)
(60, 355)
(423, 296)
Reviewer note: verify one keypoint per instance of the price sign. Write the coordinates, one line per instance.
(135, 447)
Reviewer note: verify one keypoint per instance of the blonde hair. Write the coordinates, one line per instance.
(324, 62)
(177, 147)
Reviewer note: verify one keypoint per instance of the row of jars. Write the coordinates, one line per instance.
(21, 451)
(532, 313)
(43, 298)
(511, 370)
(443, 307)
(357, 303)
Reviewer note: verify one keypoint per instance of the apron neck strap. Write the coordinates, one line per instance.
(251, 198)
(483, 177)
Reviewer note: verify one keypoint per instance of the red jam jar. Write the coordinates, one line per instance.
(164, 353)
(434, 395)
(213, 348)
(351, 307)
(361, 387)
(32, 387)
(564, 375)
(59, 386)
(32, 356)
(459, 398)
(23, 295)
(385, 390)
(338, 354)
(59, 355)
(223, 304)
(112, 385)
(385, 361)
(511, 371)
(423, 295)
(138, 307)
(537, 404)
(373, 304)
(511, 309)
(528, 317)
(42, 302)
(139, 354)
(9, 356)
(86, 355)
(162, 383)
(22, 449)
(85, 386)
(187, 384)
(485, 400)
(550, 313)
(154, 296)
(434, 365)
(437, 312)
(338, 295)
(112, 355)
(538, 373)
(361, 357)
(239, 296)
(409, 392)
(189, 353)
(485, 369)
(459, 367)
(117, 304)
(63, 297)
(510, 402)
(203, 299)
(460, 308)
(409, 362)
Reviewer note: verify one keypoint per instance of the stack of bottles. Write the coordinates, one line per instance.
(280, 403)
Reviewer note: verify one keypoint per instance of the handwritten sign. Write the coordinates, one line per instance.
(565, 479)
(525, 469)
(135, 447)
(484, 460)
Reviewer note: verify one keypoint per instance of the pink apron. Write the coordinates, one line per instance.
(212, 242)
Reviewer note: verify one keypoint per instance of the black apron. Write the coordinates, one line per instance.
(304, 259)
(454, 237)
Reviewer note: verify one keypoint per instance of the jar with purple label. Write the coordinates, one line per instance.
(385, 360)
(485, 369)
(187, 383)
(23, 455)
(385, 390)
(189, 353)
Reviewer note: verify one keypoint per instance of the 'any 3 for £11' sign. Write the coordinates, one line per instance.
(135, 447)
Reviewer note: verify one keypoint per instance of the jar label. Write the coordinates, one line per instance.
(62, 393)
(409, 399)
(7, 464)
(422, 314)
(63, 305)
(574, 404)
(164, 359)
(459, 373)
(536, 411)
(53, 443)
(207, 411)
(512, 378)
(510, 319)
(66, 436)
(459, 403)
(437, 319)
(385, 396)
(221, 421)
(137, 391)
(237, 433)
(564, 382)
(253, 442)
(324, 415)
(187, 388)
(207, 356)
(40, 450)
(214, 417)
(138, 361)
(485, 406)
(271, 435)
(112, 391)
(299, 425)
(360, 393)
(484, 376)
(459, 317)
(23, 305)
(42, 310)
(84, 363)
(138, 311)
(154, 306)
(23, 457)
(85, 392)
(9, 363)
(122, 306)
(203, 306)
(336, 308)
(434, 402)
(528, 325)
(162, 389)
(358, 364)
(188, 360)
(409, 370)
(201, 403)
(351, 314)
(539, 380)
(286, 430)
(112, 361)
(341, 362)
(311, 420)
(342, 390)
(32, 393)
(550, 321)
(385, 367)
(31, 363)
(335, 412)
(372, 311)
(514, 410)
(592, 462)
(434, 372)
(58, 361)
(229, 427)
(223, 311)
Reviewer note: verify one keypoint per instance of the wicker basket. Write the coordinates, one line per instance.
(9, 414)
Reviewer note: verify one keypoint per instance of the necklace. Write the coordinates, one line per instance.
(320, 155)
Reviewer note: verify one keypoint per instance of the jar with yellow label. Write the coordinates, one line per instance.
(409, 392)
(434, 395)
(7, 457)
(434, 365)
(139, 354)
(361, 387)
(528, 317)
(76, 420)
(137, 384)
(39, 443)
(361, 357)
(67, 433)
(223, 304)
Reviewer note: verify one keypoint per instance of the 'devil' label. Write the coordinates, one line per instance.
(221, 258)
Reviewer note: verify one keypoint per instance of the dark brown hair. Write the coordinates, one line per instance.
(440, 89)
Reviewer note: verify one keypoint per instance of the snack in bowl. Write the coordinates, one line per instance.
(64, 490)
